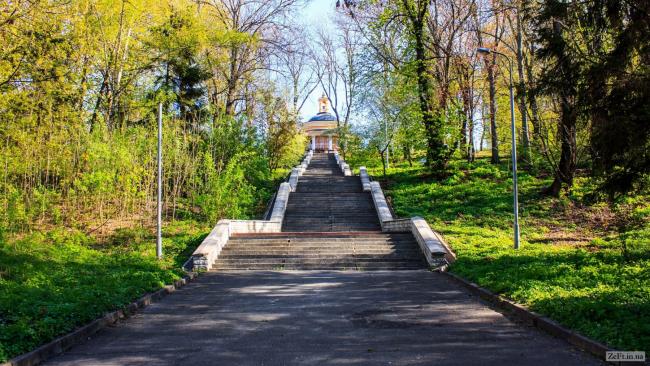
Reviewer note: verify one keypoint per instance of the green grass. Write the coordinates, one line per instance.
(573, 265)
(54, 282)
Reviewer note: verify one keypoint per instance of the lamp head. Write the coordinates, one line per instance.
(484, 50)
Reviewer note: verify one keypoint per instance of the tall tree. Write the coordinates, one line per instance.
(561, 78)
(618, 92)
(417, 13)
(253, 26)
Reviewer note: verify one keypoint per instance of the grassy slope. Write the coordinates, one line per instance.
(571, 266)
(52, 283)
(56, 280)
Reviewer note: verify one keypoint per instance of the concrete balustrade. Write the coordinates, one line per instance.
(293, 178)
(365, 179)
(281, 200)
(305, 162)
(254, 226)
(380, 203)
(435, 249)
(396, 225)
(345, 168)
(208, 252)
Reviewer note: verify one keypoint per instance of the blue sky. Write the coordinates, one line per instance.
(317, 13)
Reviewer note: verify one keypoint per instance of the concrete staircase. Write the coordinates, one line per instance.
(314, 251)
(325, 200)
(330, 224)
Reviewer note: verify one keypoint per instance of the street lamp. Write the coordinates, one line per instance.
(487, 51)
(159, 200)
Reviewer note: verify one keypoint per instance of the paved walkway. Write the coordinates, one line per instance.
(322, 318)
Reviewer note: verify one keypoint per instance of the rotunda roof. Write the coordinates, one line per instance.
(320, 117)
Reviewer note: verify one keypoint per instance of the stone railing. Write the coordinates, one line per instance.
(208, 252)
(345, 168)
(365, 179)
(299, 170)
(435, 249)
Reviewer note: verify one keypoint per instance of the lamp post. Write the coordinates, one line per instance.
(159, 213)
(487, 51)
(387, 143)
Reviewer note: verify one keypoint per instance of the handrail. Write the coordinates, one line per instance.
(269, 207)
(390, 207)
(271, 202)
(437, 252)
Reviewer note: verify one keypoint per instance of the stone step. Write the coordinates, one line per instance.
(393, 242)
(323, 235)
(333, 264)
(325, 191)
(333, 198)
(314, 226)
(327, 221)
(333, 228)
(347, 261)
(318, 203)
(317, 210)
(301, 263)
(319, 254)
(304, 253)
(324, 210)
(318, 250)
(321, 245)
(322, 240)
(322, 180)
(340, 197)
(320, 267)
(353, 202)
(331, 219)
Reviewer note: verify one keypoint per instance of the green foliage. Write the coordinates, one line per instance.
(599, 286)
(597, 60)
(80, 83)
(237, 191)
(284, 144)
(51, 283)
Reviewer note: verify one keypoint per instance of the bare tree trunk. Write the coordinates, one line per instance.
(531, 94)
(567, 131)
(462, 143)
(480, 147)
(493, 111)
(471, 154)
(98, 102)
(521, 90)
(568, 158)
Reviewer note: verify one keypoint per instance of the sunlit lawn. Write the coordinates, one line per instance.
(52, 283)
(569, 266)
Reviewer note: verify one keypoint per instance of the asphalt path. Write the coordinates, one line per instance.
(322, 318)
